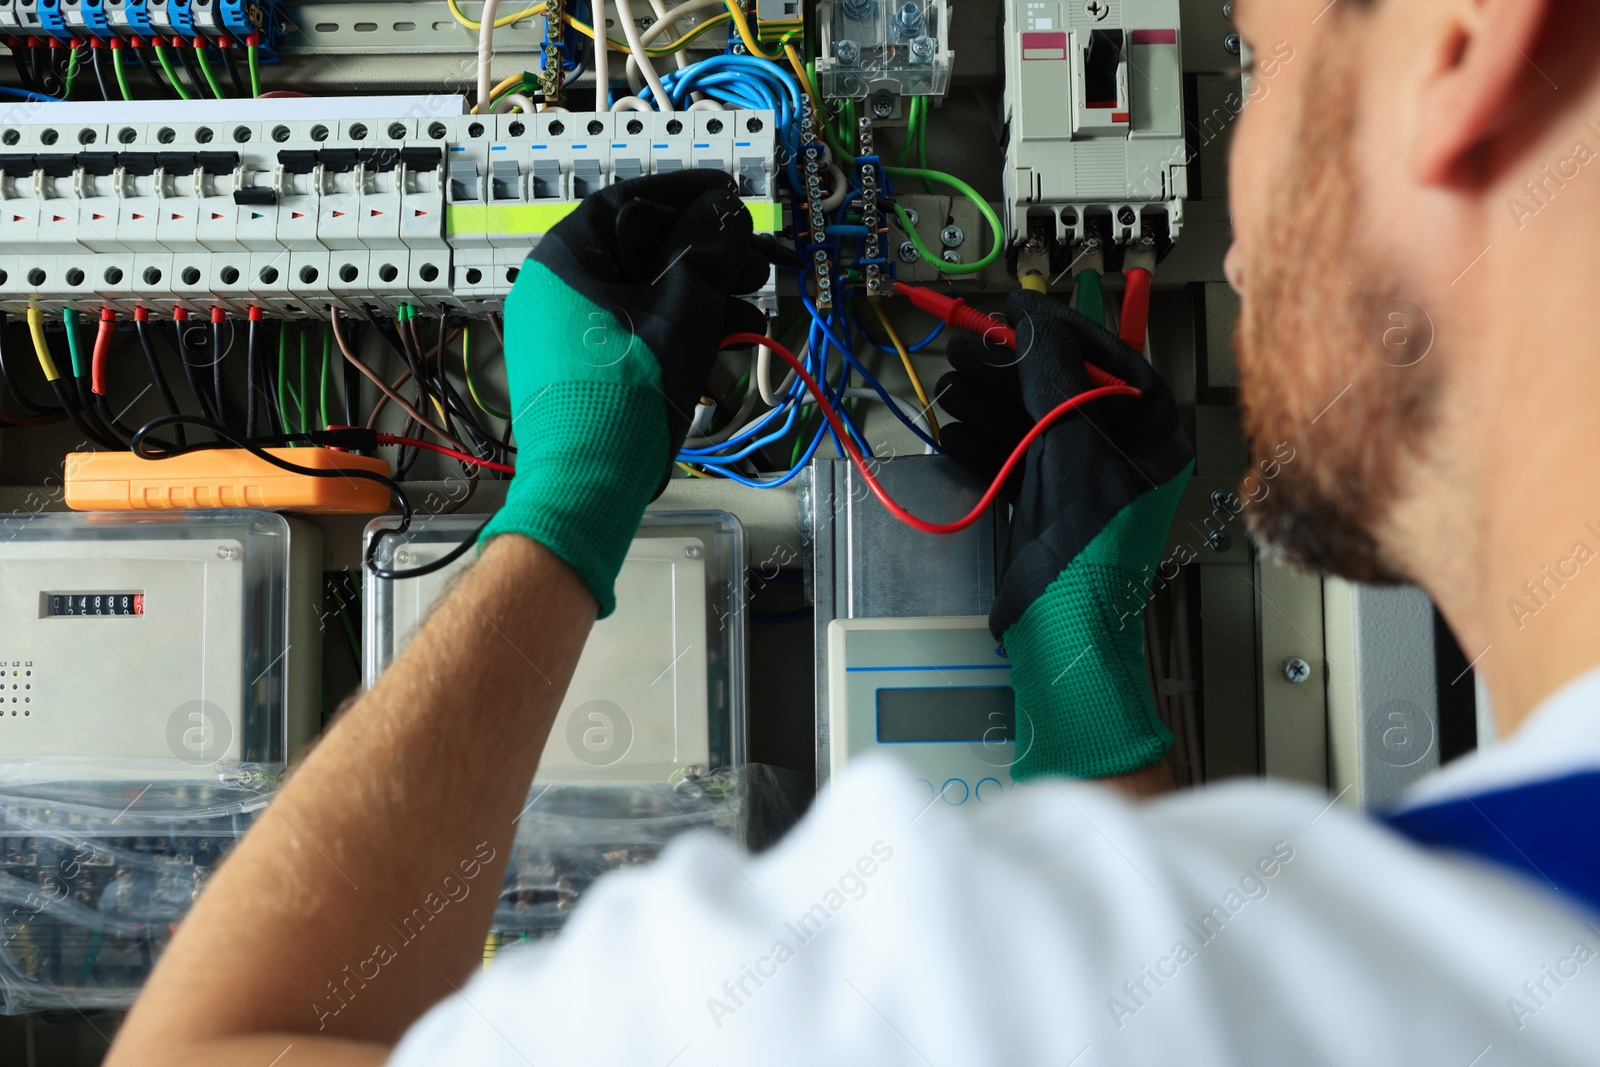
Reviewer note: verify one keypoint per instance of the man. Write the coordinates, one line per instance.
(1438, 152)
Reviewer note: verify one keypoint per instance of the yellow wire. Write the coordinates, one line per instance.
(505, 84)
(690, 470)
(40, 348)
(1034, 283)
(905, 358)
(744, 32)
(800, 72)
(503, 20)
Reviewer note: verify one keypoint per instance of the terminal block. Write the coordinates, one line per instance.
(1094, 110)
(299, 216)
(889, 48)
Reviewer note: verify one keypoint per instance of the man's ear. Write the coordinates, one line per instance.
(1477, 83)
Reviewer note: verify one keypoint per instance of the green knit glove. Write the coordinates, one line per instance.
(610, 331)
(1089, 517)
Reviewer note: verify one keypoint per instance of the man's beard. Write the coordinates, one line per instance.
(1312, 376)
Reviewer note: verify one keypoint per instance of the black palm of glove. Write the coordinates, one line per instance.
(1090, 513)
(611, 330)
(667, 256)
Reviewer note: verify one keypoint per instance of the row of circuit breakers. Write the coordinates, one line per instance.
(295, 216)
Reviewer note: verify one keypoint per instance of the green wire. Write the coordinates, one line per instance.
(253, 53)
(205, 69)
(922, 143)
(472, 384)
(283, 378)
(965, 190)
(166, 66)
(122, 73)
(1091, 301)
(305, 396)
(97, 938)
(911, 131)
(72, 72)
(327, 373)
(70, 319)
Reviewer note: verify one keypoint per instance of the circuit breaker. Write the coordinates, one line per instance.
(402, 202)
(1094, 119)
(175, 647)
(658, 692)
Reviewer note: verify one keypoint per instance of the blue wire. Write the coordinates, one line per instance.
(867, 376)
(938, 328)
(29, 94)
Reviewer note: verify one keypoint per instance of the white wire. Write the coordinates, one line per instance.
(669, 20)
(664, 18)
(908, 409)
(707, 104)
(840, 186)
(630, 103)
(602, 72)
(485, 52)
(630, 30)
(510, 100)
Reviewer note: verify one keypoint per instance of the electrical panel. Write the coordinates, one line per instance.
(293, 216)
(1095, 122)
(890, 47)
(156, 648)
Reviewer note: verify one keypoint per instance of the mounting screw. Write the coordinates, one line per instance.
(950, 255)
(848, 52)
(1223, 500)
(739, 50)
(1230, 44)
(1296, 670)
(882, 105)
(951, 237)
(403, 556)
(911, 215)
(922, 49)
(1097, 9)
(226, 552)
(908, 252)
(691, 552)
(1219, 541)
(1227, 10)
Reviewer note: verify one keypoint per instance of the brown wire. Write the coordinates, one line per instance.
(383, 387)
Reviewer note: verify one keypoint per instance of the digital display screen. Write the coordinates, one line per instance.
(95, 603)
(947, 713)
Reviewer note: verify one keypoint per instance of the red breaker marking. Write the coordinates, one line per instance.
(1049, 46)
(1155, 36)
(138, 603)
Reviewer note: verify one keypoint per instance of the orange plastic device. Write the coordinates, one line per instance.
(223, 478)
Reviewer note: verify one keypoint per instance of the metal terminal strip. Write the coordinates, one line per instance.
(812, 160)
(867, 172)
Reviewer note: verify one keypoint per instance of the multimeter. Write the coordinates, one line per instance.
(936, 692)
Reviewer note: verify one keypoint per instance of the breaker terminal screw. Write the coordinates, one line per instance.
(908, 19)
(848, 52)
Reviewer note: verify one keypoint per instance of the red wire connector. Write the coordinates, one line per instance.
(141, 314)
(963, 316)
(218, 316)
(255, 313)
(1135, 307)
(958, 313)
(102, 348)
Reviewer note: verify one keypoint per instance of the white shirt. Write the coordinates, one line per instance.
(1248, 923)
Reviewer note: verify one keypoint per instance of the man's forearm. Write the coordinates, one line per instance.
(362, 894)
